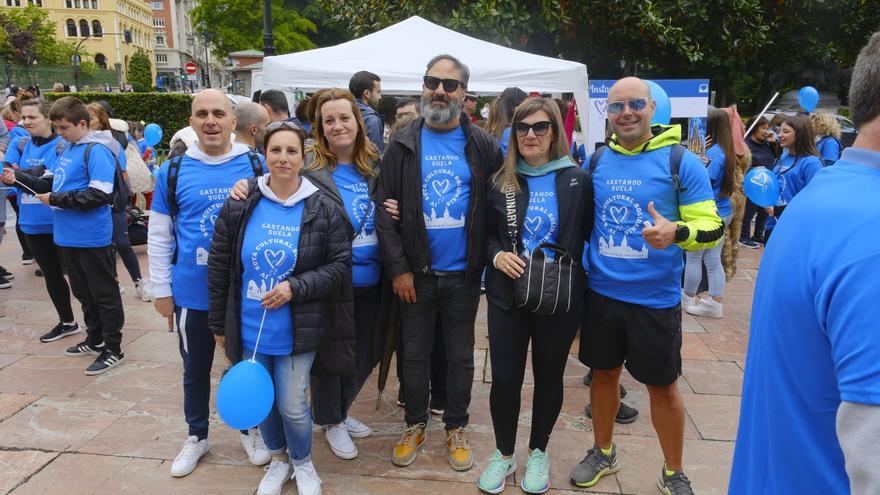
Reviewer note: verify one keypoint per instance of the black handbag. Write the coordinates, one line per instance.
(546, 287)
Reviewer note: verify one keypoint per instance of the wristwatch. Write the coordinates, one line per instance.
(682, 233)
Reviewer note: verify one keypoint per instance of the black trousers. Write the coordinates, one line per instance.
(48, 257)
(90, 271)
(25, 249)
(332, 396)
(438, 367)
(509, 334)
(122, 246)
(753, 211)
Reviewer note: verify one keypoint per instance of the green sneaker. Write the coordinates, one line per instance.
(594, 466)
(495, 475)
(677, 484)
(537, 478)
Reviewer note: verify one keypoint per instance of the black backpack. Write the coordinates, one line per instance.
(676, 154)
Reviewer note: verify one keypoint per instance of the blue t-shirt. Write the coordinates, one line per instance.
(17, 132)
(366, 264)
(90, 228)
(716, 168)
(504, 141)
(622, 264)
(268, 256)
(542, 214)
(813, 335)
(446, 189)
(794, 173)
(33, 216)
(201, 191)
(829, 149)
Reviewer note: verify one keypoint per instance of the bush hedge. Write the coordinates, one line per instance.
(170, 110)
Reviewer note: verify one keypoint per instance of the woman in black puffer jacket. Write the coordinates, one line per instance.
(279, 280)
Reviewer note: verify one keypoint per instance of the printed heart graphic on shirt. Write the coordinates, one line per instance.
(533, 225)
(760, 180)
(363, 207)
(213, 219)
(619, 213)
(274, 258)
(600, 105)
(441, 186)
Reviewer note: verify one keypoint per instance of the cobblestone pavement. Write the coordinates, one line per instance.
(62, 432)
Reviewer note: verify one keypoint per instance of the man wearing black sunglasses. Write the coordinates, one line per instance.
(650, 193)
(436, 168)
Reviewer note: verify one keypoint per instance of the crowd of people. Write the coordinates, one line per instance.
(302, 242)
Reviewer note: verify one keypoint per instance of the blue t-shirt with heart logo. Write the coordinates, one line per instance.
(33, 216)
(268, 256)
(446, 188)
(794, 173)
(366, 264)
(91, 228)
(622, 264)
(542, 214)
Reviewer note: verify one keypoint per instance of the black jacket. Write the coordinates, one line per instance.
(405, 245)
(574, 193)
(322, 306)
(763, 154)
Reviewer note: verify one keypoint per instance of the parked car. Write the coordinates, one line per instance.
(848, 131)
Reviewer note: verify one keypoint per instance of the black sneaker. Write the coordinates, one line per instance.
(38, 272)
(4, 282)
(677, 484)
(84, 349)
(437, 407)
(6, 274)
(401, 397)
(625, 414)
(588, 380)
(748, 243)
(105, 362)
(759, 240)
(59, 332)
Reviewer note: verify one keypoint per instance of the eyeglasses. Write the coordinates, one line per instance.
(635, 104)
(522, 129)
(449, 85)
(279, 124)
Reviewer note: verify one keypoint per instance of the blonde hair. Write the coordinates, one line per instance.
(364, 151)
(506, 176)
(824, 124)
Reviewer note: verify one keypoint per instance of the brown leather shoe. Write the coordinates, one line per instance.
(407, 448)
(458, 451)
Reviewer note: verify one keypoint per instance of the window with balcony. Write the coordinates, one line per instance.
(69, 4)
(161, 58)
(97, 32)
(160, 40)
(71, 28)
(158, 5)
(77, 4)
(159, 23)
(83, 28)
(13, 3)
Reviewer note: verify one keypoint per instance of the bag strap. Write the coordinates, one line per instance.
(171, 182)
(510, 202)
(256, 166)
(594, 159)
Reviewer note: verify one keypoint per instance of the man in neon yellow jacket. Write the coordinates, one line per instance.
(652, 199)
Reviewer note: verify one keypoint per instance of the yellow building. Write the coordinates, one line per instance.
(110, 31)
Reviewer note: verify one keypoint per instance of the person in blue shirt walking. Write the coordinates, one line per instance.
(643, 218)
(810, 414)
(82, 189)
(827, 131)
(280, 291)
(552, 203)
(189, 192)
(34, 159)
(721, 168)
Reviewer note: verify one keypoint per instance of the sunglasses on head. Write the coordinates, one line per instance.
(282, 124)
(539, 128)
(449, 85)
(635, 104)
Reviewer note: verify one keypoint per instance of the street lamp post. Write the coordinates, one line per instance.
(268, 39)
(207, 38)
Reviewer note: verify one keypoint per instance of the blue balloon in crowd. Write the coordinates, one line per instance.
(245, 395)
(152, 134)
(762, 187)
(663, 112)
(808, 98)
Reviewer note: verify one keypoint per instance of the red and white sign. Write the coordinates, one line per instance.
(190, 67)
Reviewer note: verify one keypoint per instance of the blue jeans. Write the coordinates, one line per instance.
(289, 424)
(693, 269)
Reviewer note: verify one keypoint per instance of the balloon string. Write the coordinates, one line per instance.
(263, 319)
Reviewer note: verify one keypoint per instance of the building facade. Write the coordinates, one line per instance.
(177, 43)
(108, 32)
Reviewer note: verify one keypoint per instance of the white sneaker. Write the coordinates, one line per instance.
(307, 480)
(144, 289)
(340, 442)
(356, 429)
(256, 450)
(188, 458)
(276, 476)
(706, 307)
(687, 301)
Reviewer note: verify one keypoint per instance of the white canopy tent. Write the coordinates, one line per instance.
(399, 54)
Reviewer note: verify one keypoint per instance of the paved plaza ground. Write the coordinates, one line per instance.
(62, 432)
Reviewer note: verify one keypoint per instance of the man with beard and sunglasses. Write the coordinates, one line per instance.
(437, 168)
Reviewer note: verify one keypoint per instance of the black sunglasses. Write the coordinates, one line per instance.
(522, 129)
(635, 104)
(449, 85)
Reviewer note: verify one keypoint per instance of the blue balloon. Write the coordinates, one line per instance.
(245, 395)
(152, 134)
(762, 187)
(808, 98)
(663, 112)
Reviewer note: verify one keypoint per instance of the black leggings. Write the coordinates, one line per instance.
(25, 249)
(509, 335)
(48, 257)
(122, 246)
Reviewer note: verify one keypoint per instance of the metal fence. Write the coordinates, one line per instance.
(45, 76)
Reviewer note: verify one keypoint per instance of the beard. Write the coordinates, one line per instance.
(440, 115)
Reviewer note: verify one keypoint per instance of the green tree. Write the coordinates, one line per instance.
(232, 25)
(140, 71)
(28, 36)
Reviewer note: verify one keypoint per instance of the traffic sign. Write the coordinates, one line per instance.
(190, 67)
